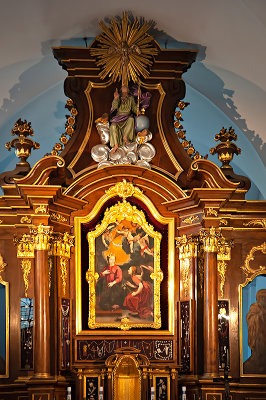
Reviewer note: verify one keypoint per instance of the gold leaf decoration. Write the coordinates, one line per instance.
(26, 268)
(124, 189)
(261, 223)
(190, 220)
(25, 220)
(125, 50)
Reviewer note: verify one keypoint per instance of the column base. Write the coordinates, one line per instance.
(209, 376)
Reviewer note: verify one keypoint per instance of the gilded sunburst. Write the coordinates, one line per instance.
(125, 50)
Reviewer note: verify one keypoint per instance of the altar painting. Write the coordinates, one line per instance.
(124, 270)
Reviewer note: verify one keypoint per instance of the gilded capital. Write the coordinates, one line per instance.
(25, 246)
(61, 244)
(187, 246)
(210, 239)
(41, 235)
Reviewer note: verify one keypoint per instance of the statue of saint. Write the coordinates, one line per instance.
(122, 129)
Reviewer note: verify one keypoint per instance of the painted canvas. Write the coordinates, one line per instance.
(253, 327)
(124, 274)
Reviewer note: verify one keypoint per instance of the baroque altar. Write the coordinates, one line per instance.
(126, 257)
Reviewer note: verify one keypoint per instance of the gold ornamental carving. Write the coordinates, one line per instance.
(223, 222)
(211, 211)
(124, 189)
(260, 223)
(64, 273)
(26, 268)
(210, 239)
(41, 209)
(25, 220)
(191, 220)
(185, 269)
(221, 268)
(223, 255)
(117, 213)
(25, 246)
(42, 236)
(125, 50)
(58, 217)
(187, 246)
(250, 257)
(2, 268)
(61, 246)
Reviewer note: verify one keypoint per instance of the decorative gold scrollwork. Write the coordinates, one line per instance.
(191, 220)
(187, 246)
(260, 223)
(250, 257)
(41, 209)
(25, 220)
(61, 246)
(222, 267)
(224, 254)
(26, 268)
(211, 211)
(58, 217)
(124, 189)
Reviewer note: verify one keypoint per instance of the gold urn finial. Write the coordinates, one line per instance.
(22, 143)
(226, 149)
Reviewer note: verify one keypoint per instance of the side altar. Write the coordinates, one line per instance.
(130, 265)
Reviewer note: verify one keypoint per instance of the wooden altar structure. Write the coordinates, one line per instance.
(213, 242)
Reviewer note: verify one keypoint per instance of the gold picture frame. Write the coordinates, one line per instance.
(161, 384)
(119, 212)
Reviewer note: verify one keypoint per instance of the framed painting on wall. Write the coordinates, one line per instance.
(253, 327)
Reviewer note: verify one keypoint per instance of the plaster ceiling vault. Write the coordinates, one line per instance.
(225, 86)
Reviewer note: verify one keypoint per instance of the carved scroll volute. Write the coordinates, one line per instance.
(188, 249)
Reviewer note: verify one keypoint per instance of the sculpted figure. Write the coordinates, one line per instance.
(122, 129)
